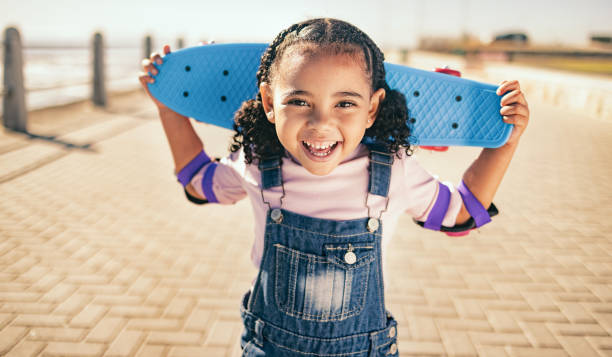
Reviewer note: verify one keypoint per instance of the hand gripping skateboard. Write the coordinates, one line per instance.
(209, 83)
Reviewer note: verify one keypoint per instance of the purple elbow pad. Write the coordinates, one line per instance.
(207, 183)
(437, 213)
(186, 174)
(473, 206)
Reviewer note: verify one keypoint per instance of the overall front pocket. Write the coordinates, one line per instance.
(331, 287)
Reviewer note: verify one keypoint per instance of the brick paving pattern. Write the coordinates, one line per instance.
(101, 254)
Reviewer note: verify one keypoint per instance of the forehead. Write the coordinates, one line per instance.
(296, 58)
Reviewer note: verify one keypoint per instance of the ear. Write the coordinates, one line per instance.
(377, 98)
(267, 100)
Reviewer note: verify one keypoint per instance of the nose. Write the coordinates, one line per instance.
(320, 119)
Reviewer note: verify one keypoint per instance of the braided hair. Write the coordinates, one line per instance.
(257, 136)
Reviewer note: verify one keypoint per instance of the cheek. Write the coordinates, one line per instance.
(286, 131)
(355, 129)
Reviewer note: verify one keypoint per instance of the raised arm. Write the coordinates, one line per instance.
(185, 144)
(485, 174)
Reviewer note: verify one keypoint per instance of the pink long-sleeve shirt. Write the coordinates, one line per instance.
(340, 195)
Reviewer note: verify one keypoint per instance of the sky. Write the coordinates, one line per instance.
(390, 23)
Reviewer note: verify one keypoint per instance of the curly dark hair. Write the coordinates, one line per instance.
(257, 136)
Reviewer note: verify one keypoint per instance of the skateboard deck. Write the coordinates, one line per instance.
(209, 83)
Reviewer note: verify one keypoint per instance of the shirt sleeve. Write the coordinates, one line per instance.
(222, 181)
(421, 191)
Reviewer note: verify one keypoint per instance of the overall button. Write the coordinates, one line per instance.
(392, 332)
(350, 258)
(276, 215)
(373, 224)
(393, 349)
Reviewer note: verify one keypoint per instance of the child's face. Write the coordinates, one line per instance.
(321, 107)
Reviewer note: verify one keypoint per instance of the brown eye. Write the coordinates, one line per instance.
(346, 104)
(298, 102)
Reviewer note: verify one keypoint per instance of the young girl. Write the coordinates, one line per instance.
(325, 202)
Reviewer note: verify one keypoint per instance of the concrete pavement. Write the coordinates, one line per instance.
(101, 254)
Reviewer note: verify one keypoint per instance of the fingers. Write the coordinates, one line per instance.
(145, 78)
(519, 121)
(149, 68)
(148, 71)
(516, 114)
(516, 109)
(513, 119)
(506, 86)
(516, 96)
(157, 58)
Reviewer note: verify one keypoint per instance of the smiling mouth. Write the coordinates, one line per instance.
(320, 149)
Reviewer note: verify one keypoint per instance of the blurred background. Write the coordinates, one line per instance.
(572, 36)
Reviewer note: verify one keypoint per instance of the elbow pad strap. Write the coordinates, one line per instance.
(437, 213)
(186, 174)
(207, 183)
(473, 206)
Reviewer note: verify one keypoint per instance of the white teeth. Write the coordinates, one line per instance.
(320, 146)
(325, 145)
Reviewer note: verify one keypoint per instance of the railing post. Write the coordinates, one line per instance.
(99, 90)
(148, 47)
(15, 114)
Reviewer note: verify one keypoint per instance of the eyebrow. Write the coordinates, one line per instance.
(337, 94)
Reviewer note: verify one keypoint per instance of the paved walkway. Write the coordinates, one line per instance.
(101, 254)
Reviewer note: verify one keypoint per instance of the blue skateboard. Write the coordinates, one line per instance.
(209, 83)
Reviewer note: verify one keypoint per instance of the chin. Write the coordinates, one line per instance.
(317, 168)
(320, 171)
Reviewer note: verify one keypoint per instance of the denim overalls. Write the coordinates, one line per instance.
(319, 290)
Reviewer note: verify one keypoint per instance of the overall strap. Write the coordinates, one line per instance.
(381, 162)
(271, 174)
